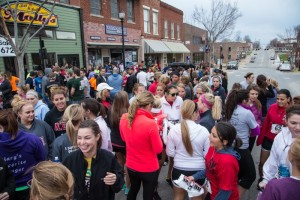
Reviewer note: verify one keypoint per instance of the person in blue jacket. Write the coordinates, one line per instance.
(21, 151)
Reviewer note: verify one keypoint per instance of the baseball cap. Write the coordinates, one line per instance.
(103, 86)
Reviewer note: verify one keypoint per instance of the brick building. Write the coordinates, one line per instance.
(153, 31)
(230, 51)
(195, 40)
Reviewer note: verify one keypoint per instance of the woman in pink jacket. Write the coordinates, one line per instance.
(140, 133)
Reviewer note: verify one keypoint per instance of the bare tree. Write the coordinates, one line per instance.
(219, 20)
(247, 38)
(21, 43)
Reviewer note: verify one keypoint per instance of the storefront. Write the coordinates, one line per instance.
(60, 42)
(104, 44)
(163, 52)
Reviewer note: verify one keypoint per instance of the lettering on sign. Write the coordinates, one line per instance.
(135, 40)
(114, 30)
(27, 12)
(95, 37)
(5, 48)
(111, 39)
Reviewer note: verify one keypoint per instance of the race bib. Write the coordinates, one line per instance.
(276, 128)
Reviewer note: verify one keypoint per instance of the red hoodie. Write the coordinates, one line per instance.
(273, 123)
(142, 140)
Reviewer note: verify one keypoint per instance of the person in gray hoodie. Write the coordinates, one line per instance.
(40, 109)
(28, 123)
(45, 81)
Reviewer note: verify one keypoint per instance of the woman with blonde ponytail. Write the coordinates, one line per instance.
(188, 144)
(210, 108)
(66, 143)
(139, 131)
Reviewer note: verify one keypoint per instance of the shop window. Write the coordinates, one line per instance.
(155, 23)
(70, 59)
(36, 59)
(196, 40)
(166, 28)
(94, 56)
(65, 1)
(11, 31)
(130, 10)
(114, 7)
(43, 33)
(146, 20)
(95, 7)
(172, 30)
(229, 57)
(10, 64)
(63, 35)
(178, 32)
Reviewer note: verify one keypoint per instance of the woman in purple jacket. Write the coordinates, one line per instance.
(21, 151)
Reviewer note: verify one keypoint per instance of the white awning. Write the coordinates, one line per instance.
(177, 47)
(156, 46)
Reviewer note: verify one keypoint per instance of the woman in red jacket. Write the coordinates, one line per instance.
(272, 124)
(140, 133)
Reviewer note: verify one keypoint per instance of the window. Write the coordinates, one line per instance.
(65, 1)
(95, 7)
(130, 14)
(114, 9)
(65, 35)
(229, 57)
(196, 40)
(172, 30)
(178, 32)
(155, 23)
(146, 21)
(229, 48)
(166, 28)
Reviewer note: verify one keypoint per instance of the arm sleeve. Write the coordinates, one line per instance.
(40, 152)
(251, 121)
(269, 193)
(56, 150)
(170, 149)
(156, 142)
(206, 145)
(199, 175)
(223, 195)
(117, 169)
(270, 167)
(50, 139)
(44, 112)
(10, 181)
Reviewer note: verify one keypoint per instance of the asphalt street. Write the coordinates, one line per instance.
(262, 65)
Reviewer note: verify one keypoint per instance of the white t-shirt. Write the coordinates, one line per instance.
(142, 78)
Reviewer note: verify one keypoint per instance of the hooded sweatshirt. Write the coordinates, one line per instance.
(44, 132)
(21, 154)
(45, 79)
(40, 110)
(200, 143)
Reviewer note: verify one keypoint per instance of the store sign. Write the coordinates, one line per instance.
(125, 40)
(114, 30)
(135, 40)
(28, 12)
(111, 39)
(5, 48)
(95, 37)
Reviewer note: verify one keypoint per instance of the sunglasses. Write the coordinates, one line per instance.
(173, 94)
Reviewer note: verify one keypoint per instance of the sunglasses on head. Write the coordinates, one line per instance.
(173, 94)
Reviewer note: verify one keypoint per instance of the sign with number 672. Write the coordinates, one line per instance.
(5, 48)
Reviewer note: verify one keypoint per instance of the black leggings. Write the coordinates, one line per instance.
(149, 180)
(247, 173)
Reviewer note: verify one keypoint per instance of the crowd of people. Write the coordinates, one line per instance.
(87, 134)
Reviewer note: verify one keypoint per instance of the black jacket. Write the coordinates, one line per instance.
(263, 95)
(130, 83)
(100, 79)
(5, 88)
(7, 181)
(104, 162)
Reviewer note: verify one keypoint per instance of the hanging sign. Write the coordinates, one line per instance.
(5, 48)
(28, 12)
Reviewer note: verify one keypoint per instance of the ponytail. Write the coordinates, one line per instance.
(186, 137)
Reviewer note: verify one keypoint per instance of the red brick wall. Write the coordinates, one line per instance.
(171, 14)
(152, 4)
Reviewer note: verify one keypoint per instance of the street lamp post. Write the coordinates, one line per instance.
(221, 49)
(122, 16)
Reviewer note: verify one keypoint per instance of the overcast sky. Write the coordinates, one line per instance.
(262, 20)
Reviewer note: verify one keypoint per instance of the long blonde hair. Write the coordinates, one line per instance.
(73, 116)
(187, 110)
(215, 104)
(51, 181)
(142, 100)
(295, 152)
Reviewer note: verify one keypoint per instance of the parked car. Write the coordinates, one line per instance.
(252, 60)
(233, 65)
(176, 65)
(272, 58)
(285, 67)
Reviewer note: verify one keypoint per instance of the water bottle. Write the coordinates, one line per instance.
(56, 159)
(283, 170)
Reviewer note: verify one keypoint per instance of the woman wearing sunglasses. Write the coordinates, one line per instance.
(171, 106)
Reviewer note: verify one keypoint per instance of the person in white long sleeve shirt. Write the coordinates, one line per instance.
(142, 78)
(188, 144)
(281, 145)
